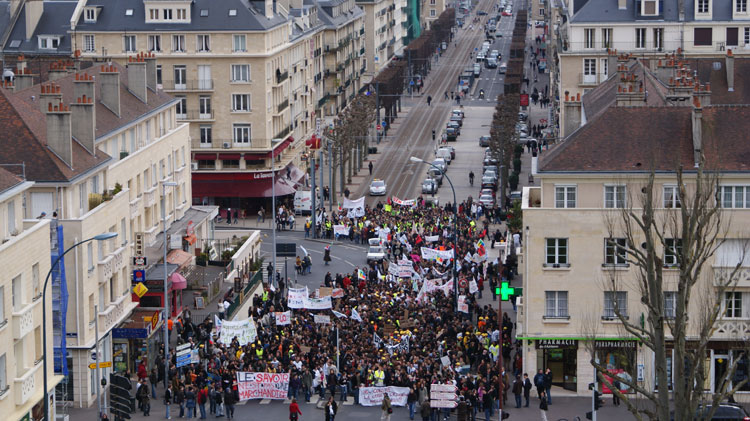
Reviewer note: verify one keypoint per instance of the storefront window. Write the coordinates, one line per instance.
(741, 373)
(669, 371)
(560, 356)
(619, 358)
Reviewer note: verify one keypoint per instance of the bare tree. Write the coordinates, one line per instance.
(684, 237)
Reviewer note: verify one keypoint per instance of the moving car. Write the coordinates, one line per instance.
(484, 141)
(477, 68)
(375, 252)
(481, 13)
(503, 68)
(377, 187)
(480, 58)
(429, 186)
(491, 63)
(507, 12)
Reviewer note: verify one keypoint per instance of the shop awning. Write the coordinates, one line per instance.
(277, 150)
(204, 156)
(178, 281)
(252, 184)
(229, 156)
(280, 148)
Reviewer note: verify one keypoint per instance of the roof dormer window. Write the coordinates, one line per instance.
(48, 42)
(167, 14)
(702, 6)
(650, 8)
(89, 14)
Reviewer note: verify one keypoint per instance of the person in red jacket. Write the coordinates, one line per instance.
(202, 398)
(294, 411)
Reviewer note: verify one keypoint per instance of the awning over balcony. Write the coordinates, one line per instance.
(205, 157)
(229, 156)
(252, 184)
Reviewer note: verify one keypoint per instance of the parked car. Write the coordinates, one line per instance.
(487, 191)
(484, 141)
(436, 175)
(457, 113)
(523, 116)
(515, 195)
(451, 134)
(452, 149)
(490, 172)
(440, 163)
(725, 412)
(454, 125)
(489, 183)
(429, 186)
(377, 187)
(487, 200)
(457, 119)
(480, 57)
(444, 154)
(503, 68)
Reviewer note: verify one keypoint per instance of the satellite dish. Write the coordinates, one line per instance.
(8, 74)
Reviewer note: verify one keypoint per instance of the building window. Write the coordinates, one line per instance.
(670, 304)
(703, 36)
(659, 38)
(35, 285)
(672, 251)
(703, 6)
(89, 15)
(180, 77)
(167, 14)
(557, 251)
(588, 37)
(606, 37)
(12, 217)
(49, 43)
(433, 2)
(733, 304)
(733, 39)
(604, 67)
(240, 73)
(90, 256)
(241, 134)
(556, 306)
(671, 197)
(204, 107)
(614, 196)
(204, 164)
(240, 102)
(230, 164)
(154, 42)
(178, 43)
(747, 35)
(204, 43)
(3, 319)
(3, 374)
(640, 37)
(650, 8)
(128, 42)
(740, 6)
(433, 13)
(735, 197)
(614, 302)
(589, 70)
(17, 298)
(89, 43)
(239, 44)
(614, 251)
(158, 74)
(182, 14)
(181, 108)
(153, 14)
(565, 196)
(206, 136)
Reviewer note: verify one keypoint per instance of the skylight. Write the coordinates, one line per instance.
(204, 12)
(15, 43)
(129, 12)
(232, 12)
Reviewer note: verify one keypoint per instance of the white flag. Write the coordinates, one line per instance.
(355, 315)
(217, 323)
(473, 287)
(272, 288)
(337, 314)
(303, 250)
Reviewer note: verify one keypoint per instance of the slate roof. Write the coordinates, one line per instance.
(642, 139)
(8, 180)
(608, 11)
(55, 20)
(250, 17)
(326, 16)
(719, 89)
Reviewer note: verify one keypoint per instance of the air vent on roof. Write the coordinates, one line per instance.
(204, 12)
(129, 12)
(15, 43)
(232, 12)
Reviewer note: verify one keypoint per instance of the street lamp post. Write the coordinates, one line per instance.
(454, 208)
(100, 237)
(166, 274)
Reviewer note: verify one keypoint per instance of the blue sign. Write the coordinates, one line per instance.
(129, 333)
(139, 275)
(384, 123)
(411, 82)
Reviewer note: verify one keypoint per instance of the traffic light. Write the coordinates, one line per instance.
(123, 404)
(598, 401)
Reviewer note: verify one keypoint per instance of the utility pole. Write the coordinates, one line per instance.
(97, 359)
(312, 197)
(330, 178)
(322, 184)
(377, 110)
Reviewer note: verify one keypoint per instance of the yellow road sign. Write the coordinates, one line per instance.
(140, 290)
(104, 364)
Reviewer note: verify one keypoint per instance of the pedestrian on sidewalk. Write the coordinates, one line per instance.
(294, 411)
(526, 388)
(168, 400)
(369, 167)
(262, 215)
(517, 390)
(229, 216)
(236, 216)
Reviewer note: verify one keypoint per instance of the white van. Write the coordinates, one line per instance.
(303, 202)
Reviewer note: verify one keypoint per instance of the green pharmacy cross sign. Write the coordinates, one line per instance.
(504, 291)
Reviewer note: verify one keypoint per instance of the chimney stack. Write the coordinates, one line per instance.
(23, 78)
(697, 131)
(34, 10)
(137, 77)
(109, 80)
(572, 111)
(269, 8)
(50, 94)
(57, 70)
(84, 122)
(702, 93)
(730, 70)
(59, 136)
(150, 60)
(83, 84)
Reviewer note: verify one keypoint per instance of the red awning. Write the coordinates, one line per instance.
(205, 156)
(239, 185)
(285, 144)
(229, 156)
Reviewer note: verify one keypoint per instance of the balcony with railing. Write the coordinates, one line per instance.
(24, 319)
(283, 106)
(198, 85)
(281, 77)
(196, 115)
(25, 385)
(591, 80)
(135, 207)
(149, 197)
(283, 133)
(105, 268)
(112, 313)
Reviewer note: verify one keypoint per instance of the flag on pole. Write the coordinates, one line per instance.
(355, 315)
(337, 314)
(303, 250)
(361, 274)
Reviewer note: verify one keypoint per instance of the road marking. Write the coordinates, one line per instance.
(287, 401)
(349, 401)
(544, 415)
(314, 399)
(242, 402)
(265, 401)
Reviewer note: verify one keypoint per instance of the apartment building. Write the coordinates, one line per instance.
(248, 77)
(648, 28)
(651, 117)
(430, 10)
(538, 10)
(25, 257)
(99, 145)
(343, 53)
(384, 32)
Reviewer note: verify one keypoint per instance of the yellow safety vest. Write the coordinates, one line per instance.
(259, 352)
(265, 296)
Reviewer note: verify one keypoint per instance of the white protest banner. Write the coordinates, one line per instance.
(262, 385)
(356, 207)
(432, 254)
(383, 233)
(244, 330)
(373, 396)
(400, 202)
(447, 287)
(463, 306)
(337, 293)
(473, 287)
(195, 357)
(296, 297)
(284, 318)
(325, 320)
(318, 303)
(445, 360)
(432, 238)
(341, 230)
